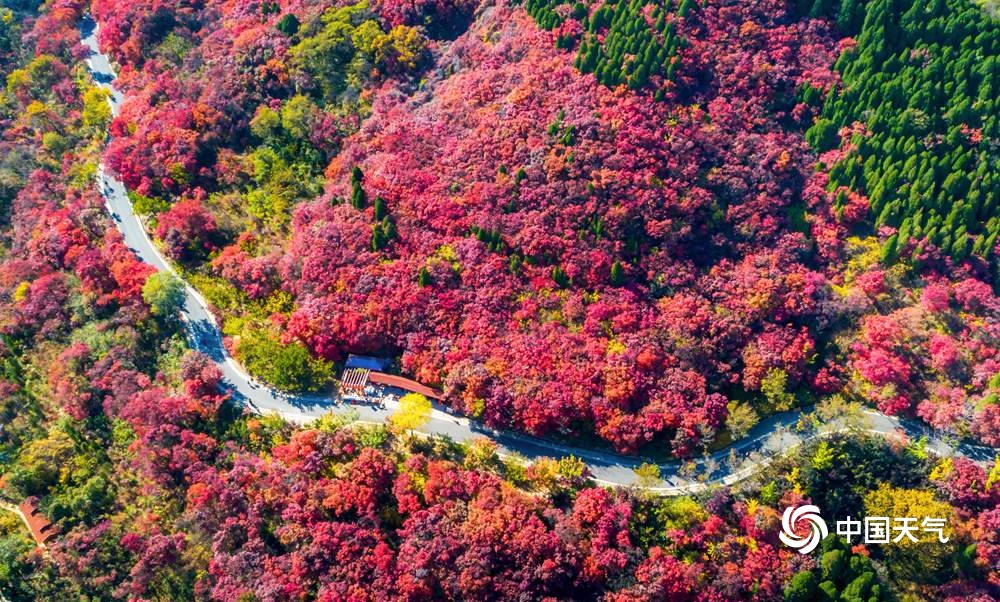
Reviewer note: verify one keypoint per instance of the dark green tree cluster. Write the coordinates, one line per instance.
(358, 197)
(634, 49)
(287, 162)
(9, 40)
(287, 132)
(491, 237)
(841, 469)
(344, 48)
(923, 79)
(617, 274)
(288, 24)
(424, 277)
(384, 228)
(289, 367)
(566, 134)
(560, 277)
(840, 575)
(849, 14)
(545, 14)
(383, 232)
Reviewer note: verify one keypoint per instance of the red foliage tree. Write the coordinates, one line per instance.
(187, 230)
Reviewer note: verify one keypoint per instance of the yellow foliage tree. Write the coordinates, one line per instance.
(96, 110)
(480, 453)
(543, 474)
(648, 475)
(824, 457)
(918, 560)
(741, 419)
(414, 411)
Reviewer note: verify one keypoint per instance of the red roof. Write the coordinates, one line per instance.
(41, 528)
(391, 380)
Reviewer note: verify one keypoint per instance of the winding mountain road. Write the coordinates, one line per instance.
(767, 439)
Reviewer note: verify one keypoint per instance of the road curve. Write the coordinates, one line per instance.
(770, 437)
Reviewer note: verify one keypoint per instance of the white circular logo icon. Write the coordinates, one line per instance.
(817, 530)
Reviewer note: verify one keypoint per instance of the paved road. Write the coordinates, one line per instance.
(771, 436)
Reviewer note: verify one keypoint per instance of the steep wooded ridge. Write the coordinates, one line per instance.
(764, 440)
(922, 83)
(612, 225)
(531, 215)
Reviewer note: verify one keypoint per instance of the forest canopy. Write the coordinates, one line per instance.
(636, 226)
